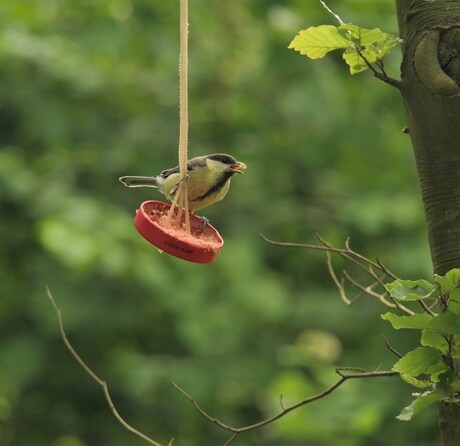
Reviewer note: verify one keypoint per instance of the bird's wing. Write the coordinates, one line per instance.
(167, 172)
(193, 163)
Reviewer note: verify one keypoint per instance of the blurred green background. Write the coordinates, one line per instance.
(89, 92)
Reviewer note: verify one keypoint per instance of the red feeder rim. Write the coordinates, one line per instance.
(202, 245)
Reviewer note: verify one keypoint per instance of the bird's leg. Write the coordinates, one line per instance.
(205, 221)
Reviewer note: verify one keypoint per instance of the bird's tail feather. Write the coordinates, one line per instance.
(139, 181)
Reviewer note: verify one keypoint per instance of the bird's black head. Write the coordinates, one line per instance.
(234, 166)
(222, 158)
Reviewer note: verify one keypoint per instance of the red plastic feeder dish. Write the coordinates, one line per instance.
(201, 245)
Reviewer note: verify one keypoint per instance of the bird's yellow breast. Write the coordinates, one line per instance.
(205, 186)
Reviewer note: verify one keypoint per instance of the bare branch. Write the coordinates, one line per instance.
(303, 245)
(364, 263)
(355, 258)
(355, 373)
(345, 253)
(96, 378)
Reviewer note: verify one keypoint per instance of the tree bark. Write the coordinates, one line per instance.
(432, 101)
(430, 79)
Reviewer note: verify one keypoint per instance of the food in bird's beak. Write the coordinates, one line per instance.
(235, 167)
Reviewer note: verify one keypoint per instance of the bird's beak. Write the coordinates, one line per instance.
(236, 166)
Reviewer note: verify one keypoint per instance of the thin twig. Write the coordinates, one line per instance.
(369, 291)
(381, 75)
(341, 370)
(427, 309)
(361, 373)
(329, 10)
(96, 378)
(345, 253)
(354, 257)
(338, 283)
(364, 289)
(282, 402)
(392, 350)
(384, 269)
(361, 257)
(232, 439)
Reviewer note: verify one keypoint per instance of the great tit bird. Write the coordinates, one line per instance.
(208, 179)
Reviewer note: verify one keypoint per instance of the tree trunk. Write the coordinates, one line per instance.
(430, 74)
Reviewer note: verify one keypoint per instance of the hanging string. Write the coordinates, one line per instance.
(181, 196)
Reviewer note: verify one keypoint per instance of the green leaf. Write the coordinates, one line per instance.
(449, 281)
(316, 41)
(376, 35)
(363, 36)
(354, 61)
(453, 304)
(435, 339)
(419, 321)
(422, 401)
(447, 323)
(363, 47)
(419, 383)
(410, 290)
(453, 307)
(421, 360)
(386, 47)
(455, 294)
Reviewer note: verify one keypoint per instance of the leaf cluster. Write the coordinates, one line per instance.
(361, 47)
(431, 366)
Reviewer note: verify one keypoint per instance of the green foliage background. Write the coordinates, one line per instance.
(89, 92)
